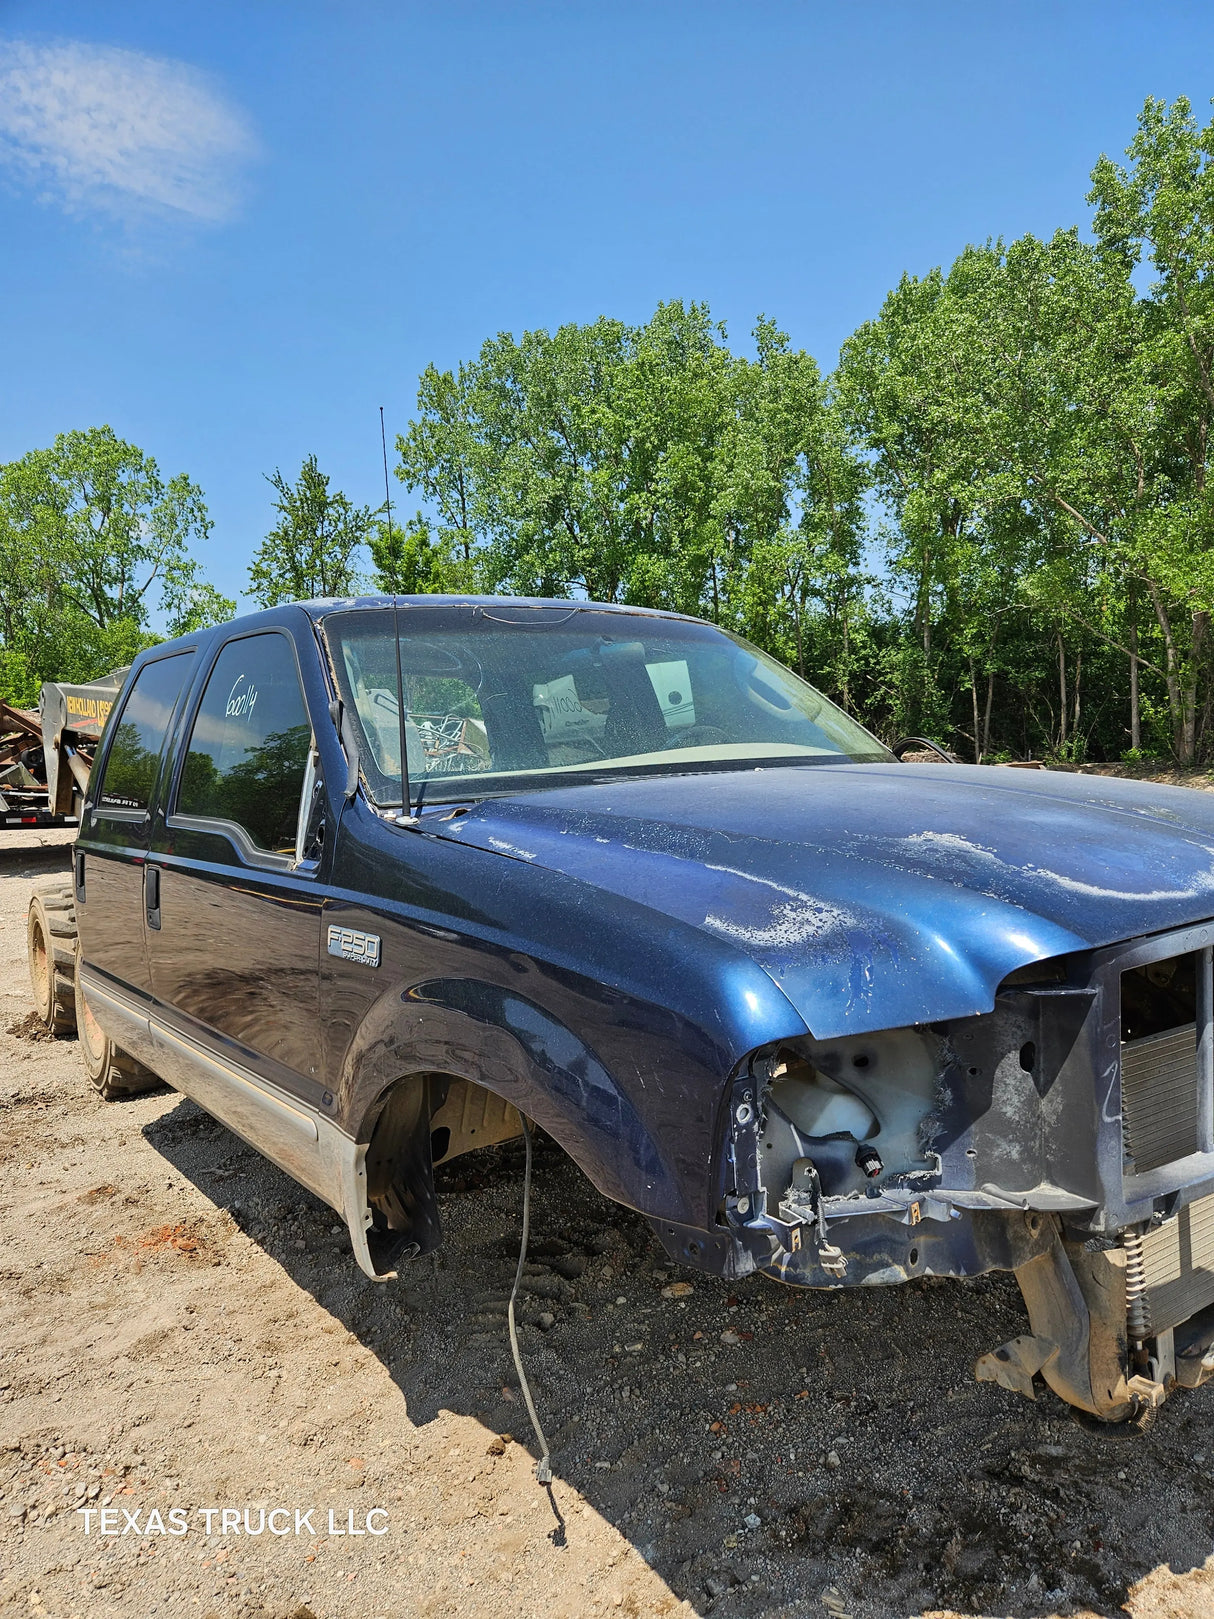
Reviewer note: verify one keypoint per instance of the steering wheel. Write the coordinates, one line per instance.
(696, 736)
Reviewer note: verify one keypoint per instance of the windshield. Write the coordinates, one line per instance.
(499, 699)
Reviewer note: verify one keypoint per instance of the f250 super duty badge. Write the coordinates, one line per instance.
(352, 945)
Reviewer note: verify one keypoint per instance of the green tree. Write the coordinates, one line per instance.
(580, 460)
(199, 606)
(414, 561)
(442, 457)
(1013, 417)
(313, 549)
(991, 523)
(1161, 207)
(791, 504)
(102, 510)
(898, 389)
(640, 464)
(93, 543)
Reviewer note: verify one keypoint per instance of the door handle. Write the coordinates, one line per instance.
(151, 894)
(80, 876)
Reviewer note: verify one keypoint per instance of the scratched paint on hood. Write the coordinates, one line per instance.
(947, 854)
(879, 895)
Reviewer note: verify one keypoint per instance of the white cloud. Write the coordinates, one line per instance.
(98, 128)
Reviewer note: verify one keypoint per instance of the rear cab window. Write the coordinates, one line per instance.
(128, 779)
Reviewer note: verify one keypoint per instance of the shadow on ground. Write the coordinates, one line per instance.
(23, 860)
(756, 1445)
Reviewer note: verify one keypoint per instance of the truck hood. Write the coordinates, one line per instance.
(877, 896)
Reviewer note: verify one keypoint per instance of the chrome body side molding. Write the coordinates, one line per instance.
(121, 1015)
(275, 1124)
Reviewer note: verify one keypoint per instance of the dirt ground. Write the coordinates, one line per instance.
(182, 1327)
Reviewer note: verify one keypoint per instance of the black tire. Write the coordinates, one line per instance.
(112, 1072)
(51, 940)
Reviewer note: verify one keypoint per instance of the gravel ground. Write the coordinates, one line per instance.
(181, 1326)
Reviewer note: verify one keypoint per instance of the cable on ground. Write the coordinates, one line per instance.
(543, 1469)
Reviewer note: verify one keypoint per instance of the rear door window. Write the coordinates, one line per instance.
(248, 748)
(129, 778)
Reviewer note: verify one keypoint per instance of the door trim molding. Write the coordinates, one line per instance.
(273, 1124)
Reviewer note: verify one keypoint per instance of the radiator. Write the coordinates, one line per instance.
(1179, 1260)
(1159, 1097)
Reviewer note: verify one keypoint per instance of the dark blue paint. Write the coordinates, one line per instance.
(615, 1027)
(577, 1079)
(878, 896)
(607, 957)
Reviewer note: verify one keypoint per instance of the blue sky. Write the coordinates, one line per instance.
(232, 231)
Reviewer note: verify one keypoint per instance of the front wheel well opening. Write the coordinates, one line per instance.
(422, 1121)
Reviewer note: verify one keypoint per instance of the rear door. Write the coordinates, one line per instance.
(112, 848)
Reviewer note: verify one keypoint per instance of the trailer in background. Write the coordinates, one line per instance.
(45, 757)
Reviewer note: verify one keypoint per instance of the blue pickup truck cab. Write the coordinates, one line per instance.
(812, 1011)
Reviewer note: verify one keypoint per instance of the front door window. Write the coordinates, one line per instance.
(248, 751)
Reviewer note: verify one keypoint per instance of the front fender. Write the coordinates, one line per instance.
(614, 1026)
(498, 1038)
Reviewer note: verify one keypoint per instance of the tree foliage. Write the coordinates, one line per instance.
(313, 550)
(93, 542)
(990, 523)
(645, 464)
